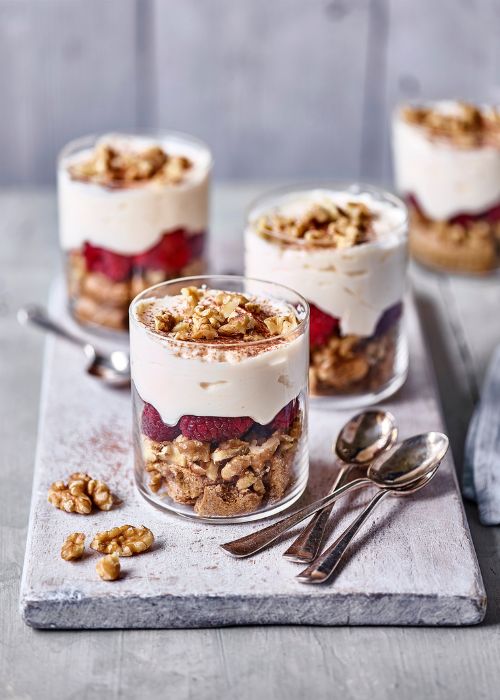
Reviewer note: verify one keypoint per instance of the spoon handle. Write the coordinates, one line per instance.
(250, 544)
(323, 567)
(37, 316)
(307, 545)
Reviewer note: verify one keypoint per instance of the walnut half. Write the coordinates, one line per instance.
(108, 567)
(73, 500)
(125, 540)
(73, 547)
(80, 494)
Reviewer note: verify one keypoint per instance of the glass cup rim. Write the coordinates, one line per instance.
(298, 330)
(354, 186)
(80, 142)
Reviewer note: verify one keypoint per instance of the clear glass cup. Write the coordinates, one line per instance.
(261, 384)
(447, 167)
(121, 238)
(359, 352)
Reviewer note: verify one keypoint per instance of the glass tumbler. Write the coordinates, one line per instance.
(344, 248)
(133, 212)
(220, 423)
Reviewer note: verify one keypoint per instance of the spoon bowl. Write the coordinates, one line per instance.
(365, 436)
(112, 369)
(415, 459)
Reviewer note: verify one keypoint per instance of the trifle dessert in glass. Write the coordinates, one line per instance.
(219, 381)
(344, 248)
(133, 211)
(447, 166)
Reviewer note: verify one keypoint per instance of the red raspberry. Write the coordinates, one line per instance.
(197, 244)
(463, 219)
(113, 265)
(493, 214)
(214, 429)
(284, 419)
(171, 254)
(322, 326)
(155, 428)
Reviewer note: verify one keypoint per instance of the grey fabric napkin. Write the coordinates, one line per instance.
(481, 479)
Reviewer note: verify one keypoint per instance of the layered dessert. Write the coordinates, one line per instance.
(345, 251)
(133, 211)
(447, 166)
(219, 374)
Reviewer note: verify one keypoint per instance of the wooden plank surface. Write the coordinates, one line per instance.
(278, 662)
(414, 563)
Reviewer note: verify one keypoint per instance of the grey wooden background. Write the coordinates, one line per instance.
(279, 88)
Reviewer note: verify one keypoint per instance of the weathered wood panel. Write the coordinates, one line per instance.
(277, 88)
(66, 69)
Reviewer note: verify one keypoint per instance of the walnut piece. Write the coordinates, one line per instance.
(125, 540)
(74, 501)
(73, 546)
(80, 494)
(324, 223)
(108, 567)
(109, 166)
(208, 314)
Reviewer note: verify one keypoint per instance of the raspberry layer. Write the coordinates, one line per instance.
(175, 250)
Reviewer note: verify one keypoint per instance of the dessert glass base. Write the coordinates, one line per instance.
(193, 479)
(470, 247)
(382, 364)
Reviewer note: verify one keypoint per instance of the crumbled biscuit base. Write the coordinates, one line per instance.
(324, 224)
(73, 546)
(208, 314)
(469, 126)
(471, 248)
(232, 478)
(353, 364)
(111, 167)
(125, 540)
(108, 567)
(80, 494)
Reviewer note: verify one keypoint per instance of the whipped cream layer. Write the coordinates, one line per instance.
(445, 179)
(357, 284)
(131, 219)
(185, 378)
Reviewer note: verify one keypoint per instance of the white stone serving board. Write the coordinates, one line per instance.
(413, 564)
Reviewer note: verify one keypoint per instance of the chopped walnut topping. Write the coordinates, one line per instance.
(125, 540)
(324, 224)
(164, 321)
(80, 494)
(73, 547)
(108, 567)
(203, 314)
(468, 125)
(111, 167)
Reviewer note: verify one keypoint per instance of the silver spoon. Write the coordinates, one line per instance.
(361, 439)
(111, 368)
(323, 567)
(404, 465)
